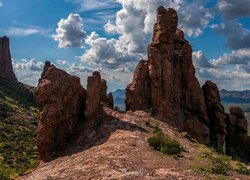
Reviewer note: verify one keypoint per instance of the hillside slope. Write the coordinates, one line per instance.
(18, 123)
(118, 149)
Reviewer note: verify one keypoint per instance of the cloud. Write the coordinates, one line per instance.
(61, 62)
(32, 65)
(237, 36)
(239, 57)
(232, 9)
(199, 60)
(70, 32)
(75, 69)
(1, 4)
(86, 5)
(26, 31)
(108, 53)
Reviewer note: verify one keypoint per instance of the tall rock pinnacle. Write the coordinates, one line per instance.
(166, 82)
(6, 68)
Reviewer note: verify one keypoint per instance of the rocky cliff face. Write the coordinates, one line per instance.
(65, 105)
(60, 99)
(6, 68)
(237, 141)
(166, 83)
(216, 114)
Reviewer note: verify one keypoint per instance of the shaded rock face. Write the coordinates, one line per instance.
(216, 114)
(60, 98)
(97, 95)
(237, 141)
(166, 83)
(6, 68)
(46, 67)
(137, 95)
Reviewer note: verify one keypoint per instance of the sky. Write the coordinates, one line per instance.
(111, 36)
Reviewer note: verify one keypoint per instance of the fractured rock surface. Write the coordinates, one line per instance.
(60, 98)
(237, 141)
(166, 83)
(216, 114)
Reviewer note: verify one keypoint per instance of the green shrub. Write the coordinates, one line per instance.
(220, 165)
(164, 144)
(242, 169)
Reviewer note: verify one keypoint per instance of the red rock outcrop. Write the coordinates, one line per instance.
(6, 68)
(216, 115)
(46, 67)
(166, 83)
(137, 95)
(237, 139)
(60, 98)
(93, 94)
(107, 100)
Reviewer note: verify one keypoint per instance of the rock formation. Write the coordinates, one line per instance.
(96, 95)
(64, 104)
(46, 67)
(6, 68)
(137, 93)
(216, 115)
(237, 141)
(60, 98)
(166, 83)
(93, 94)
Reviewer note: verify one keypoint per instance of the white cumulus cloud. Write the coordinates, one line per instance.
(70, 32)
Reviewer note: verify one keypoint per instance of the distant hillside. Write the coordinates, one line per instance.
(18, 123)
(119, 97)
(235, 96)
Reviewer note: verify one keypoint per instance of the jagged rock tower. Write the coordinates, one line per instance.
(6, 68)
(166, 82)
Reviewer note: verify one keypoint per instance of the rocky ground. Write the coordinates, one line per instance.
(118, 149)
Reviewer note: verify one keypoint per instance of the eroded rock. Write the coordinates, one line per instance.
(216, 115)
(6, 68)
(60, 98)
(237, 141)
(166, 83)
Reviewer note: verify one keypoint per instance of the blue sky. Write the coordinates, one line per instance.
(111, 36)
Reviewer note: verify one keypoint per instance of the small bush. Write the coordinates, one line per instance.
(242, 169)
(164, 144)
(220, 165)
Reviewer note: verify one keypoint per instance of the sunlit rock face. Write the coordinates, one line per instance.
(166, 82)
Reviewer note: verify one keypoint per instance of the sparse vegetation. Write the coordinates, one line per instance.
(210, 162)
(163, 143)
(18, 123)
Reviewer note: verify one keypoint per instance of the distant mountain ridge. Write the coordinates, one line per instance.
(235, 96)
(119, 98)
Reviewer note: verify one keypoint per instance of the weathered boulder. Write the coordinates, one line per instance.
(216, 115)
(237, 139)
(6, 68)
(166, 83)
(61, 99)
(46, 67)
(137, 93)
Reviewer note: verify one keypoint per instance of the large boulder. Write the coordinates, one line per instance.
(61, 100)
(237, 139)
(166, 83)
(6, 68)
(216, 115)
